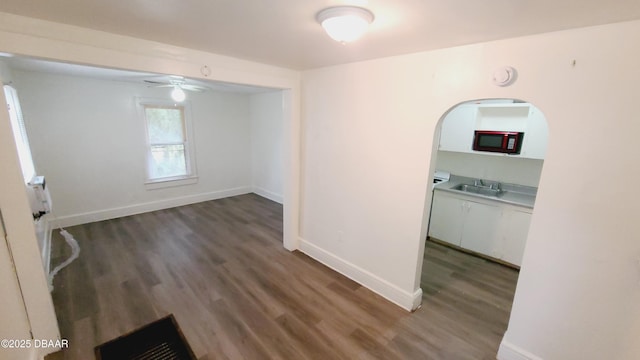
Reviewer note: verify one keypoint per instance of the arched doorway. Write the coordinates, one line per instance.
(480, 213)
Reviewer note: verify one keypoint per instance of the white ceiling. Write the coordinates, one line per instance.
(285, 33)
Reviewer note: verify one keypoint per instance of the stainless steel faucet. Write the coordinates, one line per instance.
(478, 182)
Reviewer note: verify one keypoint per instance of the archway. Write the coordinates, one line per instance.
(481, 211)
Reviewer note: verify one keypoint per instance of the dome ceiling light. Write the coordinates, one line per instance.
(345, 23)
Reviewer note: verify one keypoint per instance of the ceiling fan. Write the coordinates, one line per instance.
(179, 84)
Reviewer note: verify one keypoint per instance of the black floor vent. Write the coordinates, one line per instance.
(160, 340)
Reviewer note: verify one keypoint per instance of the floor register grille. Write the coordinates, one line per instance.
(160, 340)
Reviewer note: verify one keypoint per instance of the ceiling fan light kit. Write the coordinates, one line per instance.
(345, 23)
(177, 94)
(178, 85)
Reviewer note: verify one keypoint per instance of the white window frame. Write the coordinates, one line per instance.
(164, 182)
(19, 133)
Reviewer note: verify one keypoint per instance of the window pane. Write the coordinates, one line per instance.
(19, 133)
(167, 161)
(164, 125)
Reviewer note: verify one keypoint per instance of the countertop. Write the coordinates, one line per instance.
(513, 194)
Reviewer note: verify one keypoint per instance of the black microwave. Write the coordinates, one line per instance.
(507, 142)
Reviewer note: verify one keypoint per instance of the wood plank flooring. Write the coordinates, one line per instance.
(220, 268)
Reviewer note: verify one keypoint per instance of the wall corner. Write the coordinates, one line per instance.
(510, 351)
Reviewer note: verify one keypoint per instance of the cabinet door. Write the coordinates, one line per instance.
(446, 218)
(480, 232)
(457, 129)
(516, 229)
(536, 136)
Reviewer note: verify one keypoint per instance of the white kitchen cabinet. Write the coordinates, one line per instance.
(461, 222)
(446, 218)
(514, 234)
(503, 117)
(457, 129)
(480, 232)
(536, 136)
(481, 225)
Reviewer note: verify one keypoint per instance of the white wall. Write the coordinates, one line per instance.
(22, 243)
(367, 151)
(267, 156)
(498, 168)
(88, 139)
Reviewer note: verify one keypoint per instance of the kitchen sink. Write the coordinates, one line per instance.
(480, 190)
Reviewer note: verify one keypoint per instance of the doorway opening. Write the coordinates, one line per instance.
(236, 133)
(481, 207)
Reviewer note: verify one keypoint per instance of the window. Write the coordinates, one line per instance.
(168, 147)
(19, 133)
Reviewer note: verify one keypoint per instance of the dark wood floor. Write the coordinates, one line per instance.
(220, 268)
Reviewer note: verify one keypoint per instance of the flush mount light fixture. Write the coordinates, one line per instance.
(177, 94)
(345, 23)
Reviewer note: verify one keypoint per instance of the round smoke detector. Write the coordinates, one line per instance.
(504, 76)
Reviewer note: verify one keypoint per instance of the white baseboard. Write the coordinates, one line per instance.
(268, 194)
(509, 351)
(417, 299)
(100, 215)
(406, 300)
